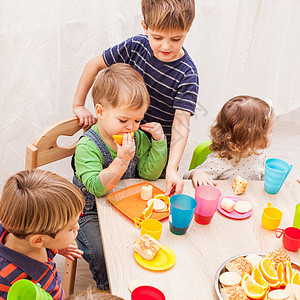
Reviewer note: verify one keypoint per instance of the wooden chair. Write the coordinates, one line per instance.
(199, 155)
(45, 150)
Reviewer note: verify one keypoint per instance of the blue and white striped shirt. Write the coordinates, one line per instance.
(171, 85)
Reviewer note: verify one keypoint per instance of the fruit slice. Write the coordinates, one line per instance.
(296, 278)
(268, 270)
(252, 288)
(281, 274)
(119, 137)
(289, 271)
(259, 278)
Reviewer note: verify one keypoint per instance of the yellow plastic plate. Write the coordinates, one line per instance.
(164, 260)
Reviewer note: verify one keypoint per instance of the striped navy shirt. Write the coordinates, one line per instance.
(15, 266)
(171, 85)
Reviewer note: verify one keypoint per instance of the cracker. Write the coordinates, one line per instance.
(230, 278)
(243, 207)
(278, 295)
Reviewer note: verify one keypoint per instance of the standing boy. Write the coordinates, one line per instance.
(39, 214)
(168, 71)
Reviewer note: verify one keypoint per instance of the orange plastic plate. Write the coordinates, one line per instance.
(129, 202)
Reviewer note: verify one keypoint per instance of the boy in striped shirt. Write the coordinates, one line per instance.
(169, 73)
(39, 213)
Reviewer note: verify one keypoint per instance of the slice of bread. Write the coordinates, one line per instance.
(235, 292)
(239, 185)
(146, 246)
(239, 265)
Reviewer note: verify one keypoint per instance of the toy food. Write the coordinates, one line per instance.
(119, 137)
(235, 292)
(146, 192)
(227, 204)
(230, 278)
(265, 281)
(146, 246)
(242, 207)
(239, 185)
(240, 265)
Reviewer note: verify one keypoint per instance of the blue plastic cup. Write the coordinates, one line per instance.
(182, 208)
(276, 171)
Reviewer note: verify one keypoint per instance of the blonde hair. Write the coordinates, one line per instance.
(241, 127)
(90, 294)
(40, 202)
(120, 85)
(168, 15)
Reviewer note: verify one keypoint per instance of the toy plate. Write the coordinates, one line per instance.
(164, 260)
(129, 202)
(234, 214)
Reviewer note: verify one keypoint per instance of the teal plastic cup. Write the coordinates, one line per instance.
(276, 171)
(26, 290)
(296, 222)
(182, 208)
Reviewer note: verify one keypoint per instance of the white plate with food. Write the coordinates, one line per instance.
(222, 269)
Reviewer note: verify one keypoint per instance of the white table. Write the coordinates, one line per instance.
(200, 251)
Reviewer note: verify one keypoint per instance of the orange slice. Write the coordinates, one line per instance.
(268, 270)
(119, 137)
(289, 271)
(259, 278)
(252, 288)
(281, 274)
(296, 278)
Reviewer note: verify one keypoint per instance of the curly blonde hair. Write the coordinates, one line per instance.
(241, 127)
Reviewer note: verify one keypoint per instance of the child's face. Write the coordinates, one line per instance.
(65, 237)
(166, 46)
(118, 120)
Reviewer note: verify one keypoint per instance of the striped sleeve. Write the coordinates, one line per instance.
(118, 53)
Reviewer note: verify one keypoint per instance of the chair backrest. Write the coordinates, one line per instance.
(199, 155)
(45, 150)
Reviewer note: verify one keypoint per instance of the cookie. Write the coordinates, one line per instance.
(136, 283)
(243, 207)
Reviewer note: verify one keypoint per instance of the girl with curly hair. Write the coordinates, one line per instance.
(240, 134)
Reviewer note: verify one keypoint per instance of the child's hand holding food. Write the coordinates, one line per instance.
(127, 149)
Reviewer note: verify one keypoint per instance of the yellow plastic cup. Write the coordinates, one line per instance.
(271, 217)
(151, 227)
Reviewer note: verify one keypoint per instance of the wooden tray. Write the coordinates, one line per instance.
(128, 201)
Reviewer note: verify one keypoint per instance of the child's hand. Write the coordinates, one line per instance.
(298, 179)
(155, 129)
(201, 178)
(70, 252)
(86, 118)
(127, 150)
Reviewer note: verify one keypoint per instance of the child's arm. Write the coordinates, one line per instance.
(152, 155)
(201, 178)
(114, 172)
(180, 132)
(298, 179)
(86, 118)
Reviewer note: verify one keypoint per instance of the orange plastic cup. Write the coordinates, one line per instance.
(271, 217)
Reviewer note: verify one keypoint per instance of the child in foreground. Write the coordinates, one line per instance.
(241, 133)
(170, 75)
(39, 213)
(121, 100)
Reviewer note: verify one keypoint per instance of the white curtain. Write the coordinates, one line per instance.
(239, 47)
